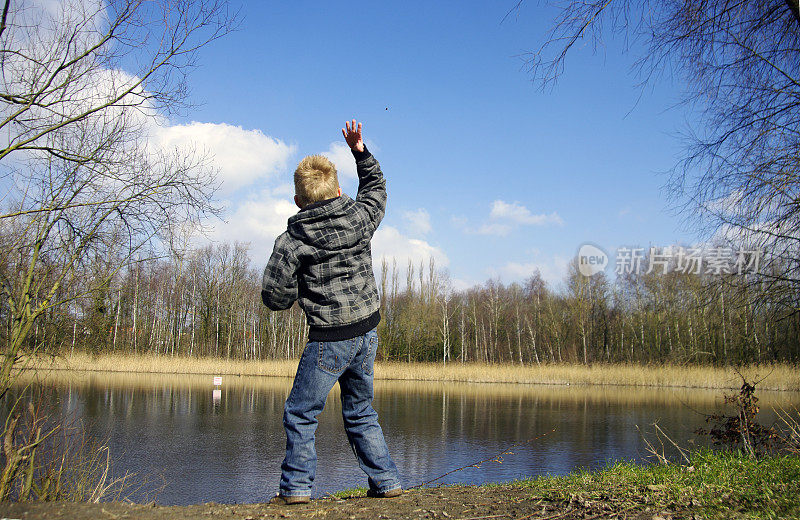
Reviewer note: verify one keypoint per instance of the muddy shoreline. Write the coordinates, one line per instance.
(456, 502)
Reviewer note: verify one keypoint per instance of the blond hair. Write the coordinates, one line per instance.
(315, 180)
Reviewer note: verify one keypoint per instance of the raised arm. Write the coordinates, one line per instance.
(371, 184)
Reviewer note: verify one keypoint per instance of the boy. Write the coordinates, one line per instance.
(324, 261)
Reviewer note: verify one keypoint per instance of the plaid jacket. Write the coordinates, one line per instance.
(324, 260)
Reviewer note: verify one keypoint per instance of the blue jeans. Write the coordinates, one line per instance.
(322, 364)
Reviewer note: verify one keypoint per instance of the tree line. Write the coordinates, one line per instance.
(206, 302)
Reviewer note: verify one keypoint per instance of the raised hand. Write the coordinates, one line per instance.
(353, 136)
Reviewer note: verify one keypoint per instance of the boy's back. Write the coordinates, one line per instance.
(324, 261)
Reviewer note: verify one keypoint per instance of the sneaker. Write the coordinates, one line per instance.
(386, 494)
(281, 500)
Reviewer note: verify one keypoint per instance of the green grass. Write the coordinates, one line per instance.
(715, 485)
(355, 492)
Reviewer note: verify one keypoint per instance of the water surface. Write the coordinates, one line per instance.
(229, 449)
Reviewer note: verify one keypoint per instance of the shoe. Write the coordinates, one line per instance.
(281, 500)
(386, 494)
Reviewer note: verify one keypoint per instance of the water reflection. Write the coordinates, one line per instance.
(229, 448)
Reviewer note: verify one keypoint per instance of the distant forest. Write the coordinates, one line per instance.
(206, 302)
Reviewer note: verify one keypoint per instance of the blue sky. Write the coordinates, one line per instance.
(486, 172)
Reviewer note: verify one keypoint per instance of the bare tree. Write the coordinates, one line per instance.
(740, 62)
(84, 85)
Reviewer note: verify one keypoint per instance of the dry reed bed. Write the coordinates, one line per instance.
(780, 377)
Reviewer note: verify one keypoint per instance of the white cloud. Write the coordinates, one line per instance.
(44, 25)
(516, 212)
(504, 217)
(341, 156)
(728, 205)
(459, 221)
(418, 221)
(257, 220)
(389, 243)
(462, 284)
(552, 271)
(241, 156)
(285, 190)
(492, 229)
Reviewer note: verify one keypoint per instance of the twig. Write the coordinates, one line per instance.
(744, 379)
(497, 458)
(561, 513)
(684, 453)
(652, 449)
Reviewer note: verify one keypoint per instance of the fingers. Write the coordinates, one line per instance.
(351, 127)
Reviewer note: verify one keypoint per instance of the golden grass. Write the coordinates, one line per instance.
(151, 364)
(775, 377)
(781, 377)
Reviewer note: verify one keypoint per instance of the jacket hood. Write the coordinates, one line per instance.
(327, 226)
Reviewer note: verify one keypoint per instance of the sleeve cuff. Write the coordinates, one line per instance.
(360, 156)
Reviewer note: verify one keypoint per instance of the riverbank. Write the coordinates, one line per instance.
(713, 486)
(779, 377)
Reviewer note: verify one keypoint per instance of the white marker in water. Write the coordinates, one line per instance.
(216, 394)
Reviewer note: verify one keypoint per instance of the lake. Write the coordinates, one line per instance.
(172, 430)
